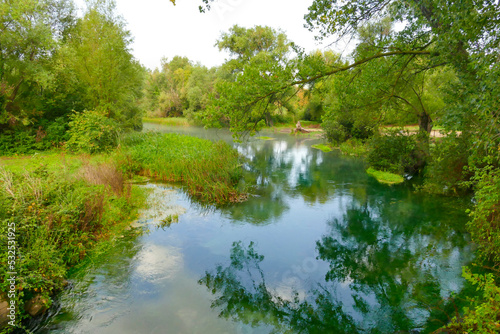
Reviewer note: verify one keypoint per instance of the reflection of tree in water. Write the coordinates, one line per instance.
(401, 257)
(394, 271)
(292, 169)
(244, 296)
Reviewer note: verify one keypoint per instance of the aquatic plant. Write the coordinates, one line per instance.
(208, 170)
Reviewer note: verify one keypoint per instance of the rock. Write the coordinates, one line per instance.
(3, 312)
(37, 305)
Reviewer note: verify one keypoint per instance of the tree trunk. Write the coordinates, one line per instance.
(425, 122)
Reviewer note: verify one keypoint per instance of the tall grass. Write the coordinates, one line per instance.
(171, 121)
(59, 217)
(209, 171)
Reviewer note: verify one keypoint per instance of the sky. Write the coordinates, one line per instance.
(161, 29)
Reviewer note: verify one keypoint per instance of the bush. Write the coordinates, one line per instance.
(344, 127)
(19, 141)
(446, 172)
(92, 132)
(56, 132)
(396, 152)
(58, 219)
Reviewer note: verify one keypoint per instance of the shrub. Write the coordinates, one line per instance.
(485, 224)
(483, 314)
(342, 128)
(446, 171)
(58, 219)
(17, 142)
(92, 132)
(396, 152)
(56, 133)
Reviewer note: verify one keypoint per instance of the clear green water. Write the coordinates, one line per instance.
(321, 247)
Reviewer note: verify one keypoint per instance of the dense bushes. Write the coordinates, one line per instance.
(22, 140)
(483, 313)
(447, 168)
(396, 152)
(341, 129)
(58, 218)
(92, 132)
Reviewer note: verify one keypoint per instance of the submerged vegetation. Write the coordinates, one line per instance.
(385, 177)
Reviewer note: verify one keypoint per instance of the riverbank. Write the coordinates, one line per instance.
(57, 208)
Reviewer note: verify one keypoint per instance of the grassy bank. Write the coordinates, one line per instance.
(170, 121)
(208, 171)
(57, 209)
(60, 208)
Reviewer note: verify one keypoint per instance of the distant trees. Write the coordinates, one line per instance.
(179, 88)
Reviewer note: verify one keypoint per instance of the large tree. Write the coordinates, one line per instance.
(98, 54)
(435, 33)
(30, 33)
(260, 63)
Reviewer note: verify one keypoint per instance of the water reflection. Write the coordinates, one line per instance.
(343, 254)
(384, 275)
(244, 296)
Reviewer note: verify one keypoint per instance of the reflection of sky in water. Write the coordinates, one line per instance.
(306, 198)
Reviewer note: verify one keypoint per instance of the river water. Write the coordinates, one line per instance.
(319, 247)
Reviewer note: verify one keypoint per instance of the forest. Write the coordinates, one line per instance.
(418, 96)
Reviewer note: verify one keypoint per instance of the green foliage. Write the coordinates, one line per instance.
(58, 219)
(209, 171)
(92, 132)
(485, 223)
(344, 127)
(395, 152)
(447, 172)
(30, 33)
(242, 101)
(16, 142)
(483, 315)
(322, 147)
(98, 55)
(355, 147)
(385, 177)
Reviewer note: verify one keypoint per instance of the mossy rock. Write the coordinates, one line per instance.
(322, 147)
(385, 177)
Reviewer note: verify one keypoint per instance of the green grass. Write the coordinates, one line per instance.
(209, 171)
(63, 209)
(265, 138)
(54, 161)
(322, 147)
(385, 177)
(171, 121)
(354, 147)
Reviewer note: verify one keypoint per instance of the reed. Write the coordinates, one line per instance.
(209, 171)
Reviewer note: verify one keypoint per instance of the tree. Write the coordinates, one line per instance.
(98, 55)
(260, 65)
(30, 35)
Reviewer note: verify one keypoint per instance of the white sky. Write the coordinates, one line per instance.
(161, 29)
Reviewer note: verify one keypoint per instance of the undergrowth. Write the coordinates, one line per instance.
(58, 218)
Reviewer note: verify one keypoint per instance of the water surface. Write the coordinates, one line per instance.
(320, 247)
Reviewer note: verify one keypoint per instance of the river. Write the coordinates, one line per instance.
(319, 247)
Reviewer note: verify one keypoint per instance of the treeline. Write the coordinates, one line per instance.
(54, 63)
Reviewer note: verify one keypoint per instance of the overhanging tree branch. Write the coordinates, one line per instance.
(360, 62)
